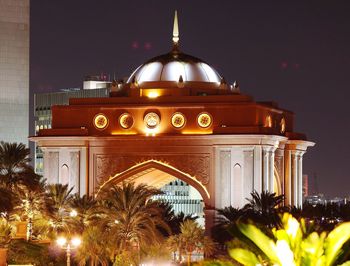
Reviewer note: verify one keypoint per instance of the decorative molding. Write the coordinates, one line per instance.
(197, 165)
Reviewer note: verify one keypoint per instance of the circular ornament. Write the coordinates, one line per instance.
(204, 120)
(178, 120)
(151, 120)
(126, 120)
(100, 121)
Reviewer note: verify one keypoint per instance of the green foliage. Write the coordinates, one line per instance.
(215, 263)
(291, 246)
(15, 172)
(191, 239)
(5, 233)
(130, 215)
(93, 247)
(23, 252)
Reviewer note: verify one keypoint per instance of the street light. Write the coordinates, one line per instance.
(68, 246)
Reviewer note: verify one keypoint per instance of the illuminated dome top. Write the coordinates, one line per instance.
(175, 66)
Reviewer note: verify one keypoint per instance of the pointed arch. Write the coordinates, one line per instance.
(163, 167)
(277, 186)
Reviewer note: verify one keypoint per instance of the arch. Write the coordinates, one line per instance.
(163, 167)
(64, 174)
(277, 186)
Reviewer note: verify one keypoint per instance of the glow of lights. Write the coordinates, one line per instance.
(204, 120)
(194, 132)
(100, 121)
(126, 121)
(152, 94)
(76, 241)
(73, 213)
(283, 125)
(158, 162)
(114, 133)
(268, 121)
(178, 120)
(61, 241)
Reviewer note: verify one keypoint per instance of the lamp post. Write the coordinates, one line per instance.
(68, 245)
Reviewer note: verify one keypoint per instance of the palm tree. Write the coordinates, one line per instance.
(173, 220)
(131, 216)
(7, 201)
(32, 204)
(263, 208)
(15, 171)
(84, 212)
(192, 239)
(58, 200)
(225, 224)
(93, 248)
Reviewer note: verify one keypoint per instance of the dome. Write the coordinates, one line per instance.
(175, 66)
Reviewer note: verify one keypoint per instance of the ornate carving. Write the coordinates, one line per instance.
(197, 165)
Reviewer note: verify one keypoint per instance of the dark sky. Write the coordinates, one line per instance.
(296, 53)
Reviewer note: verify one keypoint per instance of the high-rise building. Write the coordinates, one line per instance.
(14, 70)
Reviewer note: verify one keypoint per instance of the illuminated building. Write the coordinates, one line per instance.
(93, 86)
(176, 118)
(14, 70)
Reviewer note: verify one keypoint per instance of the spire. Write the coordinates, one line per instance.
(176, 30)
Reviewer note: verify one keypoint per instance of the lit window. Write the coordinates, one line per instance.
(126, 120)
(100, 121)
(268, 121)
(204, 120)
(151, 120)
(178, 120)
(283, 125)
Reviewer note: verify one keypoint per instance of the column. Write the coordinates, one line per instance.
(258, 158)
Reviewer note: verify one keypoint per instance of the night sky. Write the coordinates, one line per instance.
(296, 53)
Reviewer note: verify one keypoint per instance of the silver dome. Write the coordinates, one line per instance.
(173, 67)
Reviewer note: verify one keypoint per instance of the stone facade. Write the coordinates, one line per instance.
(14, 70)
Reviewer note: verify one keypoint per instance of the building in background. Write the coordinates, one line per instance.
(93, 87)
(305, 186)
(14, 70)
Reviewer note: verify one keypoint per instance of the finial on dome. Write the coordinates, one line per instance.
(176, 30)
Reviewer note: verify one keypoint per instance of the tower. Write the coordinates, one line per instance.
(14, 70)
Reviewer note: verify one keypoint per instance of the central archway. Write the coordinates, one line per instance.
(157, 174)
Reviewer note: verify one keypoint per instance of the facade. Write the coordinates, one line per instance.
(43, 103)
(175, 118)
(14, 70)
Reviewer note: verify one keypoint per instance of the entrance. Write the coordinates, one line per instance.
(184, 192)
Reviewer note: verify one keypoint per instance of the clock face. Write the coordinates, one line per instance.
(151, 120)
(178, 120)
(204, 120)
(100, 121)
(126, 121)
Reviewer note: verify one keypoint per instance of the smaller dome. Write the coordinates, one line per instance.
(175, 66)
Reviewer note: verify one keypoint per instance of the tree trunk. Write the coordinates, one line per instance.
(189, 255)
